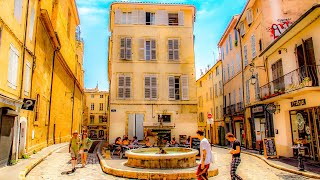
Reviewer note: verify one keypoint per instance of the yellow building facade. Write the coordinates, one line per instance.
(210, 100)
(152, 70)
(97, 114)
(48, 70)
(257, 31)
(295, 92)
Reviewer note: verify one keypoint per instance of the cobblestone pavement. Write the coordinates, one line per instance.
(251, 168)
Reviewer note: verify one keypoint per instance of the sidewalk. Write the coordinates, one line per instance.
(312, 169)
(24, 166)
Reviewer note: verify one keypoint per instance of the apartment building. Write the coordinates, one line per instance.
(232, 80)
(97, 115)
(152, 70)
(41, 73)
(210, 100)
(260, 23)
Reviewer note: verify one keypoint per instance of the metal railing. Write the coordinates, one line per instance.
(233, 109)
(227, 110)
(239, 107)
(305, 76)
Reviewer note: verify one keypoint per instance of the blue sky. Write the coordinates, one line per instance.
(211, 20)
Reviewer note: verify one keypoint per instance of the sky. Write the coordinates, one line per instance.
(212, 18)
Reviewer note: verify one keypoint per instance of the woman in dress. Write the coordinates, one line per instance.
(84, 148)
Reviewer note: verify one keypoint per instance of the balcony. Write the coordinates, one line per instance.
(305, 76)
(227, 110)
(233, 109)
(239, 107)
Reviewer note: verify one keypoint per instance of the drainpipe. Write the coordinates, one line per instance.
(72, 114)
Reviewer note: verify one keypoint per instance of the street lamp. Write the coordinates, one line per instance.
(253, 79)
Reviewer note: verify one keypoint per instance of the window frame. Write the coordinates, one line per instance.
(176, 21)
(175, 49)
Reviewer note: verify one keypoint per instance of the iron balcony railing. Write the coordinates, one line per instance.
(239, 107)
(233, 109)
(227, 110)
(305, 76)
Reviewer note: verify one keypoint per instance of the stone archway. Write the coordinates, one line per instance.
(22, 136)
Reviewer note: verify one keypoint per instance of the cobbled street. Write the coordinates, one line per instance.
(251, 168)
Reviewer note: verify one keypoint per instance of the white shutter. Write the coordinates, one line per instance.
(121, 87)
(147, 87)
(118, 16)
(18, 9)
(15, 70)
(165, 20)
(232, 68)
(10, 64)
(31, 24)
(171, 87)
(128, 48)
(181, 18)
(170, 49)
(253, 46)
(127, 90)
(123, 48)
(142, 17)
(249, 16)
(245, 54)
(135, 17)
(158, 17)
(153, 49)
(185, 87)
(27, 79)
(154, 88)
(141, 49)
(238, 61)
(161, 17)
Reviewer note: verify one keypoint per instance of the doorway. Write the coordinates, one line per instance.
(22, 136)
(239, 131)
(6, 138)
(101, 134)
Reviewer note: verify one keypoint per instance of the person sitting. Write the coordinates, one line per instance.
(125, 141)
(117, 146)
(188, 140)
(173, 141)
(165, 142)
(148, 144)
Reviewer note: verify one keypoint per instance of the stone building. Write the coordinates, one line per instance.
(152, 70)
(210, 100)
(97, 114)
(43, 67)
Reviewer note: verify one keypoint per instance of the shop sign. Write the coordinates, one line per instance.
(238, 118)
(28, 104)
(271, 108)
(300, 102)
(257, 109)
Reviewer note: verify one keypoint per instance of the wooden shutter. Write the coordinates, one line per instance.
(147, 87)
(118, 16)
(161, 17)
(309, 49)
(158, 17)
(141, 49)
(181, 18)
(128, 48)
(153, 50)
(123, 48)
(253, 46)
(135, 17)
(176, 49)
(142, 17)
(170, 49)
(121, 87)
(185, 87)
(249, 16)
(171, 87)
(165, 19)
(31, 24)
(127, 91)
(154, 88)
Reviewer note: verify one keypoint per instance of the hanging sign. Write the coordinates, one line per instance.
(271, 108)
(28, 104)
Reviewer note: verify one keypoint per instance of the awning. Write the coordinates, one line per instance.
(10, 102)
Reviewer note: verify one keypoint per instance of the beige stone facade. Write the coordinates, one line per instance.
(152, 70)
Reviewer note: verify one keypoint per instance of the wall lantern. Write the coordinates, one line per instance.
(253, 78)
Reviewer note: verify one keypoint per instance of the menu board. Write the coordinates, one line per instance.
(195, 144)
(269, 146)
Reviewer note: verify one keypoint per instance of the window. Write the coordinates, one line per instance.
(245, 54)
(101, 95)
(101, 106)
(253, 46)
(257, 88)
(173, 49)
(230, 41)
(221, 111)
(91, 119)
(37, 108)
(235, 35)
(100, 119)
(124, 87)
(126, 18)
(31, 24)
(222, 53)
(216, 90)
(217, 114)
(165, 118)
(238, 62)
(240, 95)
(234, 97)
(217, 71)
(220, 87)
(224, 75)
(150, 87)
(125, 48)
(260, 45)
(242, 29)
(13, 67)
(92, 106)
(249, 16)
(178, 90)
(147, 49)
(232, 68)
(247, 92)
(92, 95)
(227, 48)
(27, 78)
(201, 117)
(150, 18)
(173, 19)
(69, 23)
(211, 93)
(18, 9)
(228, 69)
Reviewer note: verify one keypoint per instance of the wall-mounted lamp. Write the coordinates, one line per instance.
(253, 78)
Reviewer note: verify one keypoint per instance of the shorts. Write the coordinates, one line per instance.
(73, 153)
(203, 173)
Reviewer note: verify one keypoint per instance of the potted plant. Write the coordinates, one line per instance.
(307, 81)
(236, 43)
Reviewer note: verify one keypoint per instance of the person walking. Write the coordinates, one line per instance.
(74, 150)
(235, 151)
(205, 157)
(84, 148)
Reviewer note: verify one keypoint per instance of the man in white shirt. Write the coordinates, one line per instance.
(205, 156)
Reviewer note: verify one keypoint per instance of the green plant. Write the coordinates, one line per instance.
(24, 156)
(13, 162)
(236, 42)
(306, 79)
(34, 152)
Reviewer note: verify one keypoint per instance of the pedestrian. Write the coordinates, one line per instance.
(84, 148)
(235, 151)
(74, 149)
(205, 156)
